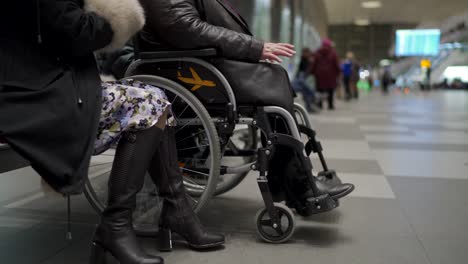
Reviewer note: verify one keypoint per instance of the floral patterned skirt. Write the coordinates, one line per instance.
(127, 105)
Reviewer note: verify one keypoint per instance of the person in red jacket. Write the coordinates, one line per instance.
(326, 69)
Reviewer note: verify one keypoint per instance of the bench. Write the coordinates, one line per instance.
(10, 160)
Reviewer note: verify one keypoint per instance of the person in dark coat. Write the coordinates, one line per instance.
(386, 79)
(50, 88)
(51, 112)
(326, 69)
(195, 24)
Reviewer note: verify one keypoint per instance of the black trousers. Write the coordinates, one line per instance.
(330, 92)
(347, 86)
(285, 173)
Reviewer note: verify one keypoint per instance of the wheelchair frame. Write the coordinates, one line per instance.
(273, 211)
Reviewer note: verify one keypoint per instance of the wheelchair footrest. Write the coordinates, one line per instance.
(318, 205)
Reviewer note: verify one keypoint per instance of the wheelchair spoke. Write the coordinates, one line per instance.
(192, 182)
(280, 231)
(193, 199)
(183, 111)
(266, 222)
(196, 147)
(191, 122)
(175, 98)
(197, 172)
(191, 136)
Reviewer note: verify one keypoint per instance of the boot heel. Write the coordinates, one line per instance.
(98, 255)
(165, 240)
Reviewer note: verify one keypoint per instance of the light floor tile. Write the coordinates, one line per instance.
(347, 149)
(423, 163)
(422, 137)
(384, 128)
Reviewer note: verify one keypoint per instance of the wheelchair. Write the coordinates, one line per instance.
(218, 140)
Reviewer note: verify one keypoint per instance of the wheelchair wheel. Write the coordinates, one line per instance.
(198, 150)
(277, 233)
(244, 140)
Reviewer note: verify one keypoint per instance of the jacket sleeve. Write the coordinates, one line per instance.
(80, 32)
(181, 27)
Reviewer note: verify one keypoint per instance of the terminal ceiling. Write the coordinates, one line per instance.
(394, 11)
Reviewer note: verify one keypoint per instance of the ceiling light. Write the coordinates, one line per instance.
(362, 22)
(371, 4)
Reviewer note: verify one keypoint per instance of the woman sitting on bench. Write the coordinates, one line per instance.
(52, 105)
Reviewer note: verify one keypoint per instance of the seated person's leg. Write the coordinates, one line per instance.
(136, 146)
(135, 115)
(290, 180)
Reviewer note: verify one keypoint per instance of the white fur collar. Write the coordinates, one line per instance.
(125, 16)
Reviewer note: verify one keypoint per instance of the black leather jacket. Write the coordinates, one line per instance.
(192, 24)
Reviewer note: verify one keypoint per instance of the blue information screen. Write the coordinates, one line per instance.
(420, 42)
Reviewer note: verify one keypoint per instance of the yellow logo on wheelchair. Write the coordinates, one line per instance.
(196, 80)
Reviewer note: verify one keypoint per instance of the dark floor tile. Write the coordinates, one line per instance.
(77, 252)
(37, 244)
(438, 212)
(443, 250)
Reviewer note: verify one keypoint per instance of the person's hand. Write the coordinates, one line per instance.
(273, 51)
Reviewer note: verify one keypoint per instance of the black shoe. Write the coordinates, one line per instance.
(115, 235)
(335, 191)
(329, 177)
(313, 187)
(177, 215)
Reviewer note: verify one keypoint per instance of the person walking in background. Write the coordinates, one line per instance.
(300, 84)
(355, 77)
(386, 79)
(347, 70)
(326, 69)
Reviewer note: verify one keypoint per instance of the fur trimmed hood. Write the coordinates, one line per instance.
(126, 18)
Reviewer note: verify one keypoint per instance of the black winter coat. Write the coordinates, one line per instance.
(194, 24)
(50, 93)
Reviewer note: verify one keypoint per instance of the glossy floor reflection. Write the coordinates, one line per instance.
(407, 155)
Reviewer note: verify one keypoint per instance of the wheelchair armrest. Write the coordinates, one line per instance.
(177, 54)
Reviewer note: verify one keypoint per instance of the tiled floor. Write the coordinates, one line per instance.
(407, 155)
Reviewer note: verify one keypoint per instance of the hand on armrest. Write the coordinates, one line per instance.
(273, 51)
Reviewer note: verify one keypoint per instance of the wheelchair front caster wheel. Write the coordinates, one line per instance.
(276, 232)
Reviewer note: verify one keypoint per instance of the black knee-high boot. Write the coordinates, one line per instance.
(177, 215)
(115, 234)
